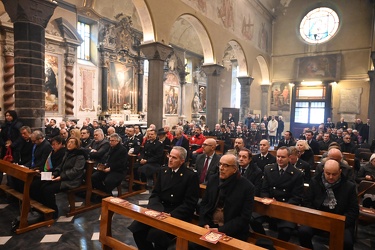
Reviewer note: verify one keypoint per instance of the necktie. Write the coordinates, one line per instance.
(33, 156)
(281, 172)
(243, 171)
(204, 171)
(172, 173)
(262, 157)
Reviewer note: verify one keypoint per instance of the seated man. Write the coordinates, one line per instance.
(98, 147)
(228, 201)
(281, 182)
(300, 164)
(250, 170)
(330, 191)
(207, 164)
(239, 143)
(112, 171)
(176, 192)
(151, 157)
(41, 149)
(264, 158)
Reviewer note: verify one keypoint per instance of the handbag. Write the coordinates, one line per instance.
(8, 155)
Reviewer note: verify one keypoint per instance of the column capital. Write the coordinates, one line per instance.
(212, 69)
(373, 57)
(265, 87)
(37, 12)
(371, 74)
(156, 51)
(245, 80)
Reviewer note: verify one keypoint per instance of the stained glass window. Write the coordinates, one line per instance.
(319, 25)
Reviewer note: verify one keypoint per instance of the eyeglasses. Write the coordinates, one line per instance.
(224, 165)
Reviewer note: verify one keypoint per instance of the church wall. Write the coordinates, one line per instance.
(352, 41)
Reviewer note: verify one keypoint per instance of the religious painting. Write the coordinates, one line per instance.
(202, 99)
(325, 67)
(225, 13)
(280, 97)
(51, 85)
(87, 86)
(120, 92)
(171, 94)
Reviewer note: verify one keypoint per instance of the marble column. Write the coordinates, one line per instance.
(245, 82)
(8, 69)
(104, 65)
(371, 107)
(264, 100)
(29, 18)
(212, 72)
(182, 98)
(156, 53)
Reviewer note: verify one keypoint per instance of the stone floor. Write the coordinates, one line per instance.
(82, 231)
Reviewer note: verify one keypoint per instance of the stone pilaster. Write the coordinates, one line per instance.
(212, 72)
(245, 82)
(8, 76)
(29, 18)
(371, 107)
(264, 100)
(156, 53)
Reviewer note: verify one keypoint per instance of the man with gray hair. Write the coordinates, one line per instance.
(112, 170)
(40, 151)
(98, 147)
(176, 192)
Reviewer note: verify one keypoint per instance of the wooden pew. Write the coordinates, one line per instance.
(26, 175)
(184, 231)
(329, 222)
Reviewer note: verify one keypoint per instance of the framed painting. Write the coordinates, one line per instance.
(280, 97)
(52, 82)
(326, 67)
(171, 94)
(87, 86)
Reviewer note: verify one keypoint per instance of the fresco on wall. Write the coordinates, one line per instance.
(325, 67)
(51, 83)
(239, 17)
(280, 97)
(171, 94)
(87, 86)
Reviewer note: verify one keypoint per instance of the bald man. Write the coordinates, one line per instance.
(231, 191)
(330, 191)
(208, 162)
(335, 154)
(264, 158)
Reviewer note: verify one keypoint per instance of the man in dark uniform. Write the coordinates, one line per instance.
(176, 192)
(342, 124)
(281, 182)
(324, 144)
(296, 162)
(85, 137)
(288, 140)
(131, 142)
(151, 157)
(138, 132)
(314, 145)
(264, 158)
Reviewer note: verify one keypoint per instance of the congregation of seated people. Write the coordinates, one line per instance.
(258, 158)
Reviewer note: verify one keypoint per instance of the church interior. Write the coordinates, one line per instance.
(170, 62)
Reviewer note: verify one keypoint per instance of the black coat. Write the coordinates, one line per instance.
(314, 145)
(238, 197)
(255, 175)
(72, 169)
(213, 168)
(153, 152)
(283, 142)
(41, 154)
(101, 148)
(345, 194)
(116, 159)
(286, 188)
(184, 144)
(305, 169)
(11, 131)
(269, 159)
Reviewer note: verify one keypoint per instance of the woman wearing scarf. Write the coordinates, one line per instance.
(331, 192)
(10, 136)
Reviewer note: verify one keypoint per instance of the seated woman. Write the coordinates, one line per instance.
(305, 152)
(367, 172)
(68, 175)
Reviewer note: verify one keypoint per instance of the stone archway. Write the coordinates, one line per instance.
(263, 70)
(240, 56)
(146, 21)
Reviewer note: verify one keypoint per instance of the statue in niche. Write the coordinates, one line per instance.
(195, 103)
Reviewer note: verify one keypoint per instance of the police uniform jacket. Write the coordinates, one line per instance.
(133, 142)
(262, 162)
(153, 152)
(286, 188)
(238, 197)
(178, 195)
(286, 143)
(305, 169)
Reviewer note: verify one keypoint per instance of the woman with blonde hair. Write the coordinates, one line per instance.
(305, 152)
(75, 132)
